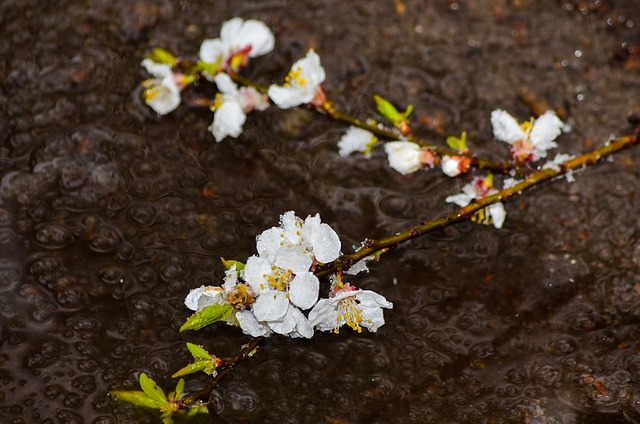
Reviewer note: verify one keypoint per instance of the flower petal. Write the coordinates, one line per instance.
(290, 224)
(288, 97)
(212, 51)
(545, 130)
(270, 305)
(256, 34)
(228, 121)
(303, 290)
(202, 297)
(255, 272)
(293, 258)
(250, 325)
(497, 213)
(505, 127)
(324, 315)
(324, 242)
(404, 156)
(225, 84)
(268, 243)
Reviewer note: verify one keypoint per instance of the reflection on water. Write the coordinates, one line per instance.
(109, 215)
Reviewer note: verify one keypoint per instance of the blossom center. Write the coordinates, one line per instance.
(279, 279)
(151, 89)
(295, 77)
(350, 313)
(239, 58)
(241, 296)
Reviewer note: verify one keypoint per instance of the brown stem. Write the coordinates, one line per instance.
(390, 135)
(204, 393)
(374, 246)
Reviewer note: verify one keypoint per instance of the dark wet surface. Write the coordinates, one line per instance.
(109, 214)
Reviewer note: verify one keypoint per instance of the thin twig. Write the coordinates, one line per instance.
(374, 246)
(204, 393)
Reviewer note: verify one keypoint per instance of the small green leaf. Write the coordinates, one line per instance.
(198, 352)
(390, 112)
(197, 409)
(162, 56)
(228, 264)
(387, 110)
(137, 398)
(458, 144)
(179, 389)
(192, 368)
(407, 112)
(209, 315)
(151, 389)
(166, 417)
(208, 68)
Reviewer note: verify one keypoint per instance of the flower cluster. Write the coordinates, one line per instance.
(272, 291)
(239, 41)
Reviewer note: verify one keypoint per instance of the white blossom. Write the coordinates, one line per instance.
(404, 156)
(281, 274)
(455, 165)
(233, 292)
(231, 107)
(347, 305)
(302, 84)
(530, 140)
(478, 189)
(161, 93)
(356, 140)
(239, 40)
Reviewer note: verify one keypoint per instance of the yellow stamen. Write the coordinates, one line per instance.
(294, 77)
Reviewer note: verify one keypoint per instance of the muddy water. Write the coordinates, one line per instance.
(110, 214)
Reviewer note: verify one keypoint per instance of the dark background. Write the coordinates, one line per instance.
(110, 214)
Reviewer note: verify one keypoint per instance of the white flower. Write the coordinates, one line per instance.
(478, 189)
(239, 40)
(356, 140)
(161, 93)
(455, 165)
(310, 238)
(353, 307)
(529, 140)
(407, 157)
(302, 84)
(231, 107)
(235, 293)
(281, 272)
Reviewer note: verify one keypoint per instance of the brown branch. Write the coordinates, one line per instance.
(204, 393)
(328, 110)
(374, 246)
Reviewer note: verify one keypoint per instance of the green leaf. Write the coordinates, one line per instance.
(198, 352)
(151, 389)
(209, 315)
(137, 398)
(166, 417)
(458, 144)
(197, 409)
(228, 264)
(162, 56)
(387, 110)
(179, 389)
(390, 112)
(192, 368)
(208, 68)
